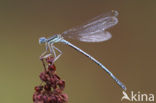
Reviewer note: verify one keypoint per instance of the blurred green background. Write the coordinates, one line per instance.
(130, 54)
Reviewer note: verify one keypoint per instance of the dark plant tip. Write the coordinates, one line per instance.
(47, 87)
(51, 90)
(38, 88)
(52, 68)
(50, 60)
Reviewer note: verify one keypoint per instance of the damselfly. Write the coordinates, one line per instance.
(92, 31)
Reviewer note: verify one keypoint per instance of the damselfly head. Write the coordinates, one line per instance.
(42, 40)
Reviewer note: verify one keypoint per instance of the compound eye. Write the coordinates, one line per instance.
(42, 40)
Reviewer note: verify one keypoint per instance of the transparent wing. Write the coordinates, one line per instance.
(95, 29)
(96, 37)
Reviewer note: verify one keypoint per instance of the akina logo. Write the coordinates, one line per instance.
(138, 96)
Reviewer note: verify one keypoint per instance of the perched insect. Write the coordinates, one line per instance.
(92, 31)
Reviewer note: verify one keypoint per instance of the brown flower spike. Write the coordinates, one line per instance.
(51, 88)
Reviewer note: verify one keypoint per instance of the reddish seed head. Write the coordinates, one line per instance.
(61, 84)
(56, 77)
(51, 90)
(45, 99)
(43, 77)
(38, 88)
(49, 60)
(47, 87)
(51, 67)
(34, 97)
(53, 99)
(65, 97)
(39, 97)
(57, 91)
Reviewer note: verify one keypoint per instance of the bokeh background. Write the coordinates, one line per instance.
(130, 54)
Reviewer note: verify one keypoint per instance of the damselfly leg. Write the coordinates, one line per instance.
(54, 52)
(44, 54)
